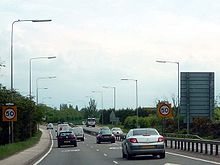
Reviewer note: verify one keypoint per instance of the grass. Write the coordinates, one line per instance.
(10, 149)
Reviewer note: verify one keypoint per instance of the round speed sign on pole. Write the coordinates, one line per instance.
(164, 110)
(9, 113)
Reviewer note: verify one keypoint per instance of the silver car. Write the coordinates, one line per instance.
(143, 141)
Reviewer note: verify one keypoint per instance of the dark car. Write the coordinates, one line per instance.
(66, 137)
(105, 135)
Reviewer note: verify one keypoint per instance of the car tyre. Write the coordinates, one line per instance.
(82, 139)
(162, 156)
(75, 144)
(58, 145)
(97, 141)
(113, 141)
(128, 156)
(123, 154)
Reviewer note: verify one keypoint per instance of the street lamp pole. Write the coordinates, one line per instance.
(30, 74)
(50, 77)
(12, 32)
(136, 85)
(114, 95)
(11, 135)
(178, 90)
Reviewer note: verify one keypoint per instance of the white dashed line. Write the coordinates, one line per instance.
(97, 150)
(76, 150)
(105, 155)
(115, 162)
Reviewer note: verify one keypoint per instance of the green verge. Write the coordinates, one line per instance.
(10, 149)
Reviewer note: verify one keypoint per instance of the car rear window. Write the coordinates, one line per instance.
(106, 132)
(145, 132)
(65, 133)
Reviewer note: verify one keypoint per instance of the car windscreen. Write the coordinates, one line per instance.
(145, 132)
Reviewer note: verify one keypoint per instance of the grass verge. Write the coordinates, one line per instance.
(10, 149)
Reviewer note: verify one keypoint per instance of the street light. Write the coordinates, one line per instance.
(101, 102)
(178, 90)
(39, 78)
(114, 96)
(136, 95)
(12, 29)
(30, 78)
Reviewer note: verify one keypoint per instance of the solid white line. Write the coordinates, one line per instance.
(105, 155)
(47, 152)
(115, 162)
(193, 158)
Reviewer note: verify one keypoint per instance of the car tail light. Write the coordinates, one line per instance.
(161, 139)
(133, 140)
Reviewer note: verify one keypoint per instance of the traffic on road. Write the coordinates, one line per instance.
(108, 153)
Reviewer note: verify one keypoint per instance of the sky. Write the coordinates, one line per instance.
(99, 42)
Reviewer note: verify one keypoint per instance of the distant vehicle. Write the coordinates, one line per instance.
(143, 141)
(62, 127)
(91, 122)
(117, 131)
(49, 126)
(105, 135)
(105, 128)
(66, 137)
(78, 131)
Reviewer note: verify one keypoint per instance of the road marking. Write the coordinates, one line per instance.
(105, 154)
(91, 146)
(193, 158)
(51, 146)
(115, 162)
(97, 150)
(115, 148)
(76, 150)
(171, 164)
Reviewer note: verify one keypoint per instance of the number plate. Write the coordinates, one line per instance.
(66, 141)
(148, 147)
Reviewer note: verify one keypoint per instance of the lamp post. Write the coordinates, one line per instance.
(114, 95)
(12, 31)
(178, 89)
(101, 102)
(39, 78)
(11, 135)
(30, 78)
(136, 95)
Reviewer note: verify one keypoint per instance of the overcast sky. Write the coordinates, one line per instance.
(99, 42)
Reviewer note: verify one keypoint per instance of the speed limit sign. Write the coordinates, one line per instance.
(164, 110)
(9, 113)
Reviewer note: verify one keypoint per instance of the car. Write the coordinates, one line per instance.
(143, 141)
(117, 131)
(79, 133)
(66, 137)
(61, 127)
(49, 126)
(105, 135)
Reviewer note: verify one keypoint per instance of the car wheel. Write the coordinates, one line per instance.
(58, 145)
(113, 141)
(75, 144)
(123, 154)
(97, 141)
(128, 156)
(162, 156)
(82, 139)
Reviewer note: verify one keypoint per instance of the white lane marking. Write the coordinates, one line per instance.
(115, 162)
(105, 154)
(171, 164)
(51, 146)
(97, 150)
(193, 158)
(76, 150)
(91, 146)
(115, 148)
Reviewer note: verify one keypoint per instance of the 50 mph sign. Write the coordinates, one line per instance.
(9, 113)
(164, 110)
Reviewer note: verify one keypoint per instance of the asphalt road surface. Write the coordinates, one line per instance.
(90, 153)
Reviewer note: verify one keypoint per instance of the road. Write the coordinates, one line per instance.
(88, 152)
